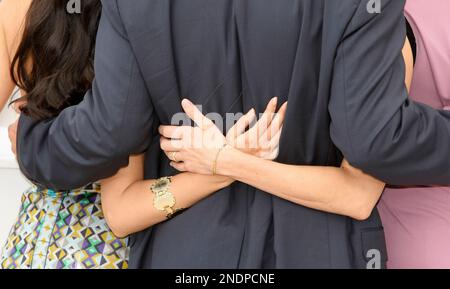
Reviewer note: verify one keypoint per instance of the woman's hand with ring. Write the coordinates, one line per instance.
(196, 149)
(192, 149)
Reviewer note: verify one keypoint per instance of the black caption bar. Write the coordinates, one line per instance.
(161, 279)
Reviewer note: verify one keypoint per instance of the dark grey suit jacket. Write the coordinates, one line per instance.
(341, 69)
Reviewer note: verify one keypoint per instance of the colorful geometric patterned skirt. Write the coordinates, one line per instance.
(63, 230)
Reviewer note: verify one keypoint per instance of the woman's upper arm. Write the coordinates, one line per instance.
(12, 19)
(125, 177)
(409, 63)
(6, 83)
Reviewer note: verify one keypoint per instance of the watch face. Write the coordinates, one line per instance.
(164, 201)
(161, 185)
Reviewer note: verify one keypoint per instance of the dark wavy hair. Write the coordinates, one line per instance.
(53, 64)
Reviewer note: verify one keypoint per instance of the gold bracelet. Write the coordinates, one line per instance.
(214, 166)
(163, 199)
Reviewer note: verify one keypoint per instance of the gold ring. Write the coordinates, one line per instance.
(174, 157)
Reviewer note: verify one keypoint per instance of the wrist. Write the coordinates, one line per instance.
(228, 161)
(223, 181)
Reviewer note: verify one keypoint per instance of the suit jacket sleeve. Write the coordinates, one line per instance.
(374, 123)
(94, 139)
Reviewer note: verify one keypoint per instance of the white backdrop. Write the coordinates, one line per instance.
(12, 183)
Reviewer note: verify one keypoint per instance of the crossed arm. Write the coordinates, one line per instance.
(127, 200)
(345, 190)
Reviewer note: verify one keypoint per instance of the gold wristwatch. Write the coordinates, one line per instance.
(164, 200)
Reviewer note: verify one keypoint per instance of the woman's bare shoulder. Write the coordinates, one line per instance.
(12, 18)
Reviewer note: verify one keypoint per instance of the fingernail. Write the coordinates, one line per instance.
(275, 100)
(186, 101)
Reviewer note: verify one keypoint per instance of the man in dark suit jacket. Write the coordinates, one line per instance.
(339, 64)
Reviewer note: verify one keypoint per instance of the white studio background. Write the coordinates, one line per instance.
(12, 183)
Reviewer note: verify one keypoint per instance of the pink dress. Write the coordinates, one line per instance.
(417, 220)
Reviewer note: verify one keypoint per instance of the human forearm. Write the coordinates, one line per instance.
(131, 210)
(344, 191)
